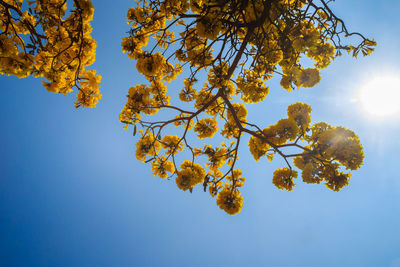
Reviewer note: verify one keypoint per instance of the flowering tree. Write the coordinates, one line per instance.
(239, 45)
(38, 38)
(227, 52)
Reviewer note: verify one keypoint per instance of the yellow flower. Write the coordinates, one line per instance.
(253, 11)
(206, 128)
(282, 131)
(235, 179)
(133, 45)
(252, 87)
(87, 9)
(283, 178)
(307, 36)
(208, 27)
(190, 175)
(342, 145)
(172, 8)
(230, 200)
(188, 93)
(257, 147)
(308, 78)
(216, 156)
(300, 113)
(203, 98)
(90, 79)
(161, 167)
(173, 143)
(217, 75)
(151, 65)
(286, 82)
(139, 100)
(336, 180)
(322, 54)
(240, 111)
(299, 162)
(214, 188)
(181, 120)
(147, 145)
(136, 15)
(196, 6)
(310, 174)
(316, 130)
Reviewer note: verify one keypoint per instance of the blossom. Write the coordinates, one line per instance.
(230, 201)
(300, 113)
(283, 178)
(161, 167)
(190, 175)
(206, 128)
(148, 145)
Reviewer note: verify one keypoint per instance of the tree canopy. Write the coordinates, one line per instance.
(226, 53)
(45, 39)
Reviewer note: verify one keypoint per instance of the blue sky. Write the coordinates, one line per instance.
(73, 194)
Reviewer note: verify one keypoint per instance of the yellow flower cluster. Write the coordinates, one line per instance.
(188, 93)
(258, 147)
(230, 200)
(161, 167)
(316, 130)
(235, 179)
(214, 188)
(56, 47)
(151, 65)
(194, 49)
(209, 27)
(181, 119)
(155, 66)
(217, 76)
(173, 8)
(230, 128)
(329, 149)
(283, 178)
(89, 93)
(144, 14)
(281, 132)
(322, 54)
(306, 78)
(147, 145)
(333, 148)
(253, 11)
(342, 145)
(300, 113)
(132, 45)
(313, 172)
(337, 180)
(204, 98)
(310, 173)
(216, 157)
(252, 87)
(305, 35)
(206, 128)
(143, 99)
(172, 143)
(190, 175)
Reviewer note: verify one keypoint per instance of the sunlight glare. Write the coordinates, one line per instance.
(380, 96)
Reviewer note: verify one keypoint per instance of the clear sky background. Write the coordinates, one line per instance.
(73, 194)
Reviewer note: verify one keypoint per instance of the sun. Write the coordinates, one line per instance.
(380, 96)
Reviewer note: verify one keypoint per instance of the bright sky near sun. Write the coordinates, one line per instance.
(379, 95)
(73, 194)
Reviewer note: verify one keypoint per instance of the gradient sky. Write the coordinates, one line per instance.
(73, 194)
